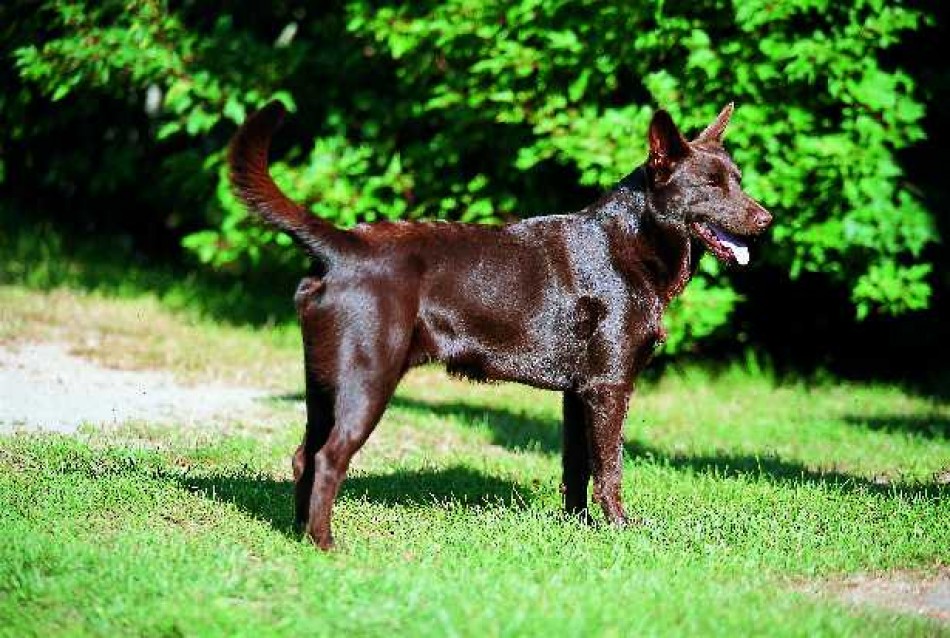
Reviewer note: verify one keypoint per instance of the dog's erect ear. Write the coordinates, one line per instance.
(713, 132)
(667, 146)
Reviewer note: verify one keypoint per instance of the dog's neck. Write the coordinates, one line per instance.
(646, 238)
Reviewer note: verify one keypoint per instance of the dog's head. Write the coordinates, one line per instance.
(697, 185)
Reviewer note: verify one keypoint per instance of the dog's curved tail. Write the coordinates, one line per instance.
(253, 184)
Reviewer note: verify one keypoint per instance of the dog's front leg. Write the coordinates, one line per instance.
(606, 410)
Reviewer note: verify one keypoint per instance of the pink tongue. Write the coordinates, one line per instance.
(739, 250)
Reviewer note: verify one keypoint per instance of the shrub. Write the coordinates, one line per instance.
(476, 110)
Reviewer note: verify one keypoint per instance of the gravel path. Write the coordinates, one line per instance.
(43, 387)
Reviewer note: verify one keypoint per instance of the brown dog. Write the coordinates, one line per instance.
(572, 303)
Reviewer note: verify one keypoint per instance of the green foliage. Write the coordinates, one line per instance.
(700, 310)
(475, 110)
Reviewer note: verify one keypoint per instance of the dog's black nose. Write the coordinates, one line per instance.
(762, 219)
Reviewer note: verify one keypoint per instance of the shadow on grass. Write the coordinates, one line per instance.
(271, 500)
(930, 427)
(520, 432)
(42, 256)
(515, 431)
(781, 472)
(288, 397)
(508, 429)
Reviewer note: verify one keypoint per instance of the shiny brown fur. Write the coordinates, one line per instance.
(572, 303)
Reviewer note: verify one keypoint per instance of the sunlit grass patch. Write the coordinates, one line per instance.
(449, 522)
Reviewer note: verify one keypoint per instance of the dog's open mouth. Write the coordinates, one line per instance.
(725, 247)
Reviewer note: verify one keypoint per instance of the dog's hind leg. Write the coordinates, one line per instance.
(360, 402)
(371, 352)
(575, 458)
(319, 424)
(319, 398)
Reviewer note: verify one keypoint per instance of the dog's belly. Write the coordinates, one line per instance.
(538, 367)
(547, 348)
(522, 310)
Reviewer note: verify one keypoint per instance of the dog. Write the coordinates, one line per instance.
(572, 302)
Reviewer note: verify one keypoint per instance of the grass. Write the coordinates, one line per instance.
(449, 523)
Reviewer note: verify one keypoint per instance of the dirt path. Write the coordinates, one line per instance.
(42, 386)
(906, 592)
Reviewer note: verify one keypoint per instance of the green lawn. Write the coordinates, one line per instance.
(449, 524)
